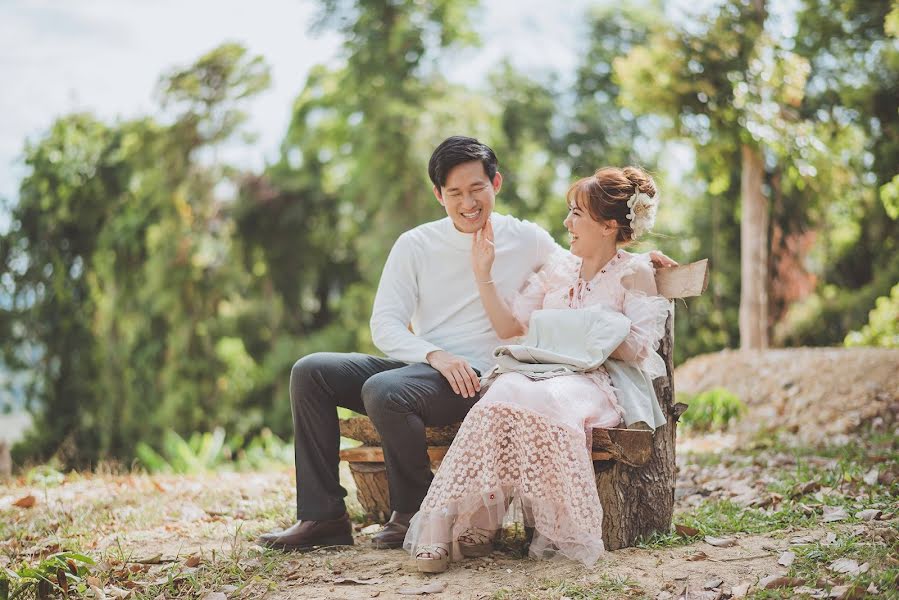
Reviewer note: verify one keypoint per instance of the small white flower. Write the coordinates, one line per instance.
(642, 214)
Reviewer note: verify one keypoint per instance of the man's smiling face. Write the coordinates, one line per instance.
(469, 195)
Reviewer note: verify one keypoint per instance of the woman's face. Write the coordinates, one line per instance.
(586, 234)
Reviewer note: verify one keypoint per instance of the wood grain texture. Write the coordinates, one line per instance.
(638, 501)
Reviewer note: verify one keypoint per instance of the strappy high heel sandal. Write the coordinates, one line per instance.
(476, 542)
(432, 558)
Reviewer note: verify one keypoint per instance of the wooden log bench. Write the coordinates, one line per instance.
(635, 468)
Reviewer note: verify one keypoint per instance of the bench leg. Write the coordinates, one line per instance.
(637, 501)
(371, 489)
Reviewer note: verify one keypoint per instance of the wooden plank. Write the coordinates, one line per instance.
(363, 430)
(375, 454)
(683, 281)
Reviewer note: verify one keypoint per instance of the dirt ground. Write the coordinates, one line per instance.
(202, 527)
(817, 394)
(164, 523)
(651, 571)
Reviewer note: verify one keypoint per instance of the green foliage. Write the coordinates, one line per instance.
(712, 410)
(889, 195)
(119, 270)
(155, 291)
(209, 452)
(201, 453)
(63, 572)
(882, 328)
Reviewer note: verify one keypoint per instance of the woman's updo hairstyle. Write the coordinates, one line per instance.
(604, 195)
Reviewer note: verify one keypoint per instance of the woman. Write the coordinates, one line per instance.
(529, 437)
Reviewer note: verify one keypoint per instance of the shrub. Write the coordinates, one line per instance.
(711, 410)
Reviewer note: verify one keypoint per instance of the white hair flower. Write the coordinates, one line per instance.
(642, 213)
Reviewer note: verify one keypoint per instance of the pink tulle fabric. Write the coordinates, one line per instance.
(530, 439)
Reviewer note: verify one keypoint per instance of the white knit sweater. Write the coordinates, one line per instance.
(428, 282)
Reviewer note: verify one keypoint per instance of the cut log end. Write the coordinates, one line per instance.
(371, 489)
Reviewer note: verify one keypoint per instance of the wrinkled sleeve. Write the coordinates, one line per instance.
(530, 297)
(395, 302)
(648, 313)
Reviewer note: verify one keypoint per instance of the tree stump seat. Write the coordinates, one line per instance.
(632, 446)
(635, 468)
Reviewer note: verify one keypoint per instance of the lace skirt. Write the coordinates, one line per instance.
(528, 440)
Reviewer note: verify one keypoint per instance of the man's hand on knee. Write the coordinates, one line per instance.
(457, 372)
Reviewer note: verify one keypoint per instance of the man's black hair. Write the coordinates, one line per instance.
(456, 150)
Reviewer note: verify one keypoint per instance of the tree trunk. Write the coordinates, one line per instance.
(371, 489)
(753, 252)
(639, 501)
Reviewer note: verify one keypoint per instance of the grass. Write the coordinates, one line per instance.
(804, 481)
(91, 513)
(608, 586)
(96, 515)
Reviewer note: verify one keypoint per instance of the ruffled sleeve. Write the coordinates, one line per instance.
(648, 313)
(547, 278)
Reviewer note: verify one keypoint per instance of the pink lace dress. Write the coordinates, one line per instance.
(530, 439)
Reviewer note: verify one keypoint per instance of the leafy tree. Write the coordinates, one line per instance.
(853, 91)
(119, 269)
(732, 86)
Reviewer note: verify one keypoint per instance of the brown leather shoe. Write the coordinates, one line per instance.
(394, 532)
(306, 535)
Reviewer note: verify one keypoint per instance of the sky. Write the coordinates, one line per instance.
(106, 56)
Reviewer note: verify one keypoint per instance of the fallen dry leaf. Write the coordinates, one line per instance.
(805, 508)
(830, 538)
(803, 539)
(26, 501)
(779, 581)
(119, 593)
(847, 592)
(848, 566)
(720, 542)
(871, 476)
(215, 596)
(786, 559)
(699, 555)
(434, 587)
(686, 531)
(888, 476)
(871, 514)
(192, 560)
(834, 513)
(809, 487)
(741, 590)
(62, 581)
(713, 583)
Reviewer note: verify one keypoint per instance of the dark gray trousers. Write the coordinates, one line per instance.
(400, 399)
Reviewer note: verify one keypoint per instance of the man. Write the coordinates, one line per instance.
(431, 376)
